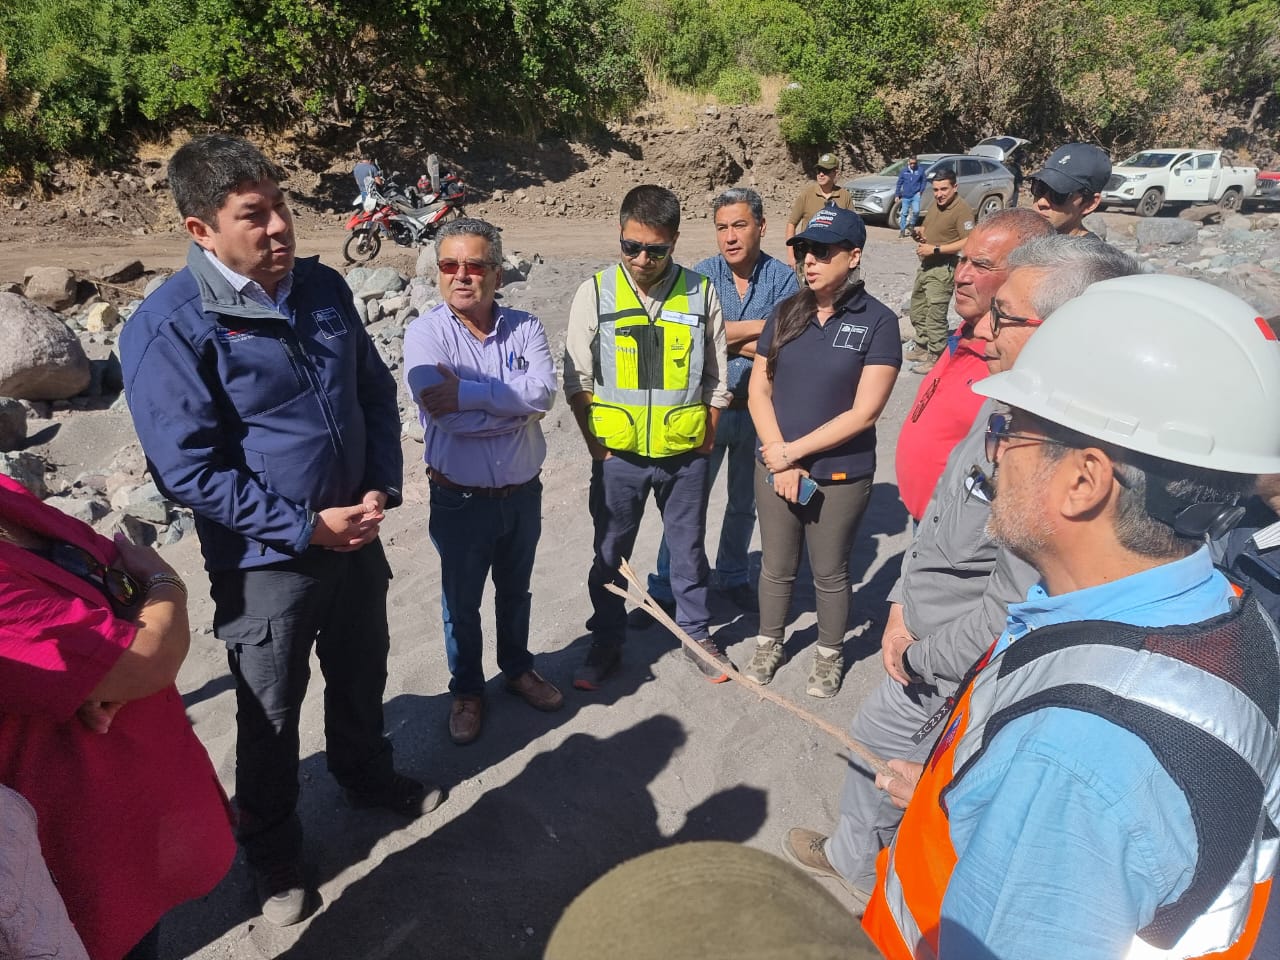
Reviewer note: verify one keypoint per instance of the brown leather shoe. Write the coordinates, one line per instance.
(466, 717)
(535, 691)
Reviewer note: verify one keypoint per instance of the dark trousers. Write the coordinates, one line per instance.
(475, 535)
(269, 618)
(620, 486)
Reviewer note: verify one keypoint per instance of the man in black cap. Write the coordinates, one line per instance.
(1069, 186)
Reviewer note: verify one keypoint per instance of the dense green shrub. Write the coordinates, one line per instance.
(736, 85)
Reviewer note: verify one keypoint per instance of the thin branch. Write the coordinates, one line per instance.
(642, 599)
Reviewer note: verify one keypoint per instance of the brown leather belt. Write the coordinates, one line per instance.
(492, 493)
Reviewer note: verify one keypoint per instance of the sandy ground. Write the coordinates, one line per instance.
(542, 804)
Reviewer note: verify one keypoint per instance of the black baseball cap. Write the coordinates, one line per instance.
(834, 225)
(1075, 166)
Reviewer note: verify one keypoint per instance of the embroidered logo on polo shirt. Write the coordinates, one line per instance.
(851, 336)
(330, 322)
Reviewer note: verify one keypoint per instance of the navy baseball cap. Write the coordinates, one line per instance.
(1075, 166)
(834, 225)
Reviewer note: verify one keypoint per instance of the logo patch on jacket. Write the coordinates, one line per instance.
(228, 335)
(330, 322)
(851, 336)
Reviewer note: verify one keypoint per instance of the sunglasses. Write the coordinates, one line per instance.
(820, 251)
(1040, 190)
(654, 251)
(465, 267)
(1001, 319)
(827, 170)
(999, 429)
(120, 587)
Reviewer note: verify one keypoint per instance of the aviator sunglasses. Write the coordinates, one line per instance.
(654, 251)
(119, 586)
(465, 267)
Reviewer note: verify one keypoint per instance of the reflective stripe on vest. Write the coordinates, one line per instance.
(1132, 677)
(648, 386)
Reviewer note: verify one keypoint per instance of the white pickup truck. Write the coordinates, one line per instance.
(1151, 179)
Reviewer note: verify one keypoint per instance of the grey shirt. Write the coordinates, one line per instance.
(956, 585)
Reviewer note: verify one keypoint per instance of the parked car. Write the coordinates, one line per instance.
(1151, 179)
(1268, 194)
(982, 180)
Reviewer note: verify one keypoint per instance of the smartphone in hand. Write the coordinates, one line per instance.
(808, 487)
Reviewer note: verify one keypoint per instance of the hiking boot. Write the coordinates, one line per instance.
(466, 718)
(716, 674)
(826, 674)
(403, 795)
(926, 365)
(807, 849)
(602, 659)
(282, 893)
(765, 661)
(535, 691)
(919, 353)
(641, 619)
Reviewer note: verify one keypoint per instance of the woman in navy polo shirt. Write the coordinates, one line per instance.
(825, 365)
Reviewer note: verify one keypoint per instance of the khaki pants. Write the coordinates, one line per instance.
(929, 300)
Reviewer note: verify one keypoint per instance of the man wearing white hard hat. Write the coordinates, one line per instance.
(1106, 784)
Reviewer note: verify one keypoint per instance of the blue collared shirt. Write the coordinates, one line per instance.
(253, 290)
(508, 384)
(1069, 833)
(771, 282)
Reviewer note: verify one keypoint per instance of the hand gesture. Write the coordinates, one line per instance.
(786, 484)
(443, 397)
(895, 639)
(771, 453)
(347, 528)
(902, 784)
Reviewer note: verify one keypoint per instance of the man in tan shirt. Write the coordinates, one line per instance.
(938, 242)
(823, 192)
(644, 372)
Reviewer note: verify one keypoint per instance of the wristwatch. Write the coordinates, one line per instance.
(937, 250)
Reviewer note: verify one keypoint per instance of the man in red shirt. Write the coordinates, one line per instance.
(944, 407)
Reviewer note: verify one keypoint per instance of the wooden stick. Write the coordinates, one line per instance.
(654, 610)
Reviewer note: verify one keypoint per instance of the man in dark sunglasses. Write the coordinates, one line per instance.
(823, 192)
(645, 374)
(1069, 186)
(951, 598)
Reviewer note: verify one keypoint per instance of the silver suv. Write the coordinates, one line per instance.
(983, 182)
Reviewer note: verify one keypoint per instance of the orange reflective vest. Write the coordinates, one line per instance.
(1173, 687)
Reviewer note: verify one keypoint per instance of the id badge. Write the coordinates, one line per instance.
(687, 319)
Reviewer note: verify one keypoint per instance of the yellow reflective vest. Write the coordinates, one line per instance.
(648, 381)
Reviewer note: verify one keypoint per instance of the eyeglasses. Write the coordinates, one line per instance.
(820, 251)
(1040, 190)
(827, 170)
(1001, 319)
(119, 586)
(654, 251)
(998, 431)
(465, 267)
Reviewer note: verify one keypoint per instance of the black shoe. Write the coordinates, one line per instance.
(602, 659)
(743, 597)
(716, 674)
(640, 618)
(402, 795)
(283, 895)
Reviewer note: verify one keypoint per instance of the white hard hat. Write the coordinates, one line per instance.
(1167, 366)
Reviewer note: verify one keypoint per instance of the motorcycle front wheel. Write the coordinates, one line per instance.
(362, 246)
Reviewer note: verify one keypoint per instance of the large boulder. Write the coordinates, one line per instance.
(52, 287)
(1165, 231)
(122, 271)
(40, 358)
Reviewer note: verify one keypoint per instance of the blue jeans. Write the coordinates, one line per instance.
(620, 486)
(736, 442)
(475, 535)
(908, 212)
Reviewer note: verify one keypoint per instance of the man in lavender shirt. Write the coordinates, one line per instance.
(483, 378)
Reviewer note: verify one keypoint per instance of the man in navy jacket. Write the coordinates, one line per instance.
(263, 406)
(908, 189)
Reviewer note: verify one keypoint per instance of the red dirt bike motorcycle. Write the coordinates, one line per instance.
(409, 218)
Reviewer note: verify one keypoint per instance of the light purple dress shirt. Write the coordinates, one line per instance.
(508, 384)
